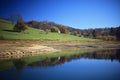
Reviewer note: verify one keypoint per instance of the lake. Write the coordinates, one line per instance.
(93, 65)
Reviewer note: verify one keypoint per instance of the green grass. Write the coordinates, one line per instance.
(6, 28)
(6, 64)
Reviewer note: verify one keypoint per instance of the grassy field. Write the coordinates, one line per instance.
(6, 32)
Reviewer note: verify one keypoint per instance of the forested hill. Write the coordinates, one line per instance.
(109, 34)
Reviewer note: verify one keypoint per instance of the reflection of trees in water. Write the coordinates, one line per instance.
(105, 54)
(49, 62)
(19, 64)
(118, 54)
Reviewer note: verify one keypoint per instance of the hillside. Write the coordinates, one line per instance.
(107, 33)
(6, 32)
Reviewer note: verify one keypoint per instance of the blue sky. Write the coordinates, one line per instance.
(82, 14)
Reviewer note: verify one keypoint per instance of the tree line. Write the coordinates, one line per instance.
(109, 34)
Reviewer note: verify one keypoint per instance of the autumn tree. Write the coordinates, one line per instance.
(64, 30)
(20, 26)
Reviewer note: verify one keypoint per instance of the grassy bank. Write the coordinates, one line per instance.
(6, 32)
(56, 54)
(6, 64)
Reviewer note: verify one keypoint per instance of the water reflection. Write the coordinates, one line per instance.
(19, 64)
(104, 54)
(95, 65)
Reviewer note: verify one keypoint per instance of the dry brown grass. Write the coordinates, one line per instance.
(20, 43)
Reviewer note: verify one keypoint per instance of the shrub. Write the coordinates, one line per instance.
(107, 38)
(54, 29)
(2, 37)
(47, 31)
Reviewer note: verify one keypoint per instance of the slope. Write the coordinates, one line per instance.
(6, 32)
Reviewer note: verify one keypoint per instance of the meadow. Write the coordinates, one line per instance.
(6, 32)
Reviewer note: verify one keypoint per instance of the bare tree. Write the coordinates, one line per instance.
(14, 18)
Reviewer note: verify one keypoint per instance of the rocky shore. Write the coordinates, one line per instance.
(19, 52)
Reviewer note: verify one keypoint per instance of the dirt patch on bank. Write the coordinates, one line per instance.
(19, 52)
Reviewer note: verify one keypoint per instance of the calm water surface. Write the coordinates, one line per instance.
(102, 65)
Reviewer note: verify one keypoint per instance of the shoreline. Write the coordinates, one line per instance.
(19, 52)
(14, 49)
